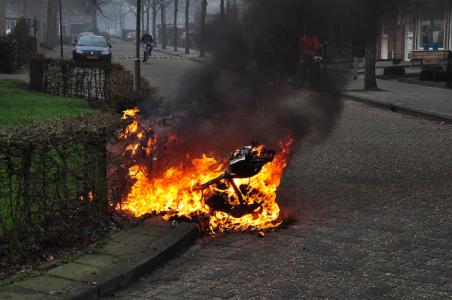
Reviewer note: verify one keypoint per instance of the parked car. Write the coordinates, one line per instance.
(80, 35)
(92, 48)
(131, 36)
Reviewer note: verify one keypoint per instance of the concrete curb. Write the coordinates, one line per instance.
(401, 108)
(183, 55)
(123, 259)
(163, 249)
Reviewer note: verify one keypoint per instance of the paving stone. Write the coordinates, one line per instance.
(372, 209)
(76, 272)
(121, 250)
(151, 230)
(47, 284)
(16, 293)
(98, 260)
(135, 239)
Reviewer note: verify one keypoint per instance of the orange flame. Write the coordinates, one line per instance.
(173, 193)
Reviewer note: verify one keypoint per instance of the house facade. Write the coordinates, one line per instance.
(413, 24)
(74, 20)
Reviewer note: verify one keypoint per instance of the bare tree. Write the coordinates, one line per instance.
(187, 26)
(51, 28)
(2, 17)
(370, 80)
(175, 33)
(147, 5)
(222, 12)
(202, 33)
(163, 23)
(154, 20)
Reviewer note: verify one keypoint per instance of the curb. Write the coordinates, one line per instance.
(166, 247)
(131, 254)
(194, 59)
(417, 112)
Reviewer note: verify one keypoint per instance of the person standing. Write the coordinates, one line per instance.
(358, 53)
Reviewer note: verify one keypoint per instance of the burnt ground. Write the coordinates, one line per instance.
(373, 219)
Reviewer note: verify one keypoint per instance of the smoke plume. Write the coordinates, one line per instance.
(244, 93)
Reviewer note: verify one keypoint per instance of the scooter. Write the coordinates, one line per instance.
(147, 51)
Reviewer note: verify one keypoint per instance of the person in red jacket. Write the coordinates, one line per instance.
(308, 45)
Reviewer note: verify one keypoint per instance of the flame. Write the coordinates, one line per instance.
(173, 192)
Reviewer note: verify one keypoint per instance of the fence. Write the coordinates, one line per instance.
(102, 84)
(53, 179)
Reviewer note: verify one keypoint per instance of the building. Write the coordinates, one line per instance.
(75, 20)
(411, 24)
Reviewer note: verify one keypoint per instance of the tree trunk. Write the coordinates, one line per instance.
(94, 16)
(52, 20)
(222, 12)
(2, 17)
(148, 13)
(202, 34)
(176, 7)
(154, 21)
(187, 26)
(163, 26)
(370, 80)
(142, 18)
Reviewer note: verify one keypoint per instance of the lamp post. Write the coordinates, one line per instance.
(136, 76)
(61, 30)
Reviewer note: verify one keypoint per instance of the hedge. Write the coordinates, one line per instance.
(16, 48)
(102, 84)
(53, 179)
(8, 55)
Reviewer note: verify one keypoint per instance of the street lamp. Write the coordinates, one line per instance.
(136, 77)
(61, 30)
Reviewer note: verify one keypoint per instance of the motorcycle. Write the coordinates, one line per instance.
(147, 51)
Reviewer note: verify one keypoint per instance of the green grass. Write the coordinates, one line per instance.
(19, 105)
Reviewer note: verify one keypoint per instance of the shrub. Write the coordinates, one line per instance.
(16, 48)
(435, 75)
(394, 71)
(8, 55)
(53, 180)
(121, 95)
(104, 85)
(26, 45)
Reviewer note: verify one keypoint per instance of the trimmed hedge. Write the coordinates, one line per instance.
(9, 62)
(394, 71)
(53, 180)
(102, 84)
(16, 48)
(435, 75)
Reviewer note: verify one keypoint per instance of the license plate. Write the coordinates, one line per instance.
(92, 57)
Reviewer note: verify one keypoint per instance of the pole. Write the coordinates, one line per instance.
(137, 73)
(61, 30)
(187, 26)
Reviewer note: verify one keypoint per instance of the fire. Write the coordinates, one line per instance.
(175, 191)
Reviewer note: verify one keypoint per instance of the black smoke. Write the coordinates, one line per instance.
(244, 93)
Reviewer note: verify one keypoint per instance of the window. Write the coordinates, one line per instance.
(11, 6)
(432, 24)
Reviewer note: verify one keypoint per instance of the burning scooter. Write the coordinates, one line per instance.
(243, 163)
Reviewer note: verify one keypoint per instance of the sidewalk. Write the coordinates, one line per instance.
(410, 98)
(113, 264)
(430, 102)
(194, 54)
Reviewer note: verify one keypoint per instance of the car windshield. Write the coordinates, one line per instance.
(96, 41)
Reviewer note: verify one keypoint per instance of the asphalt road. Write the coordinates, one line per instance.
(372, 218)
